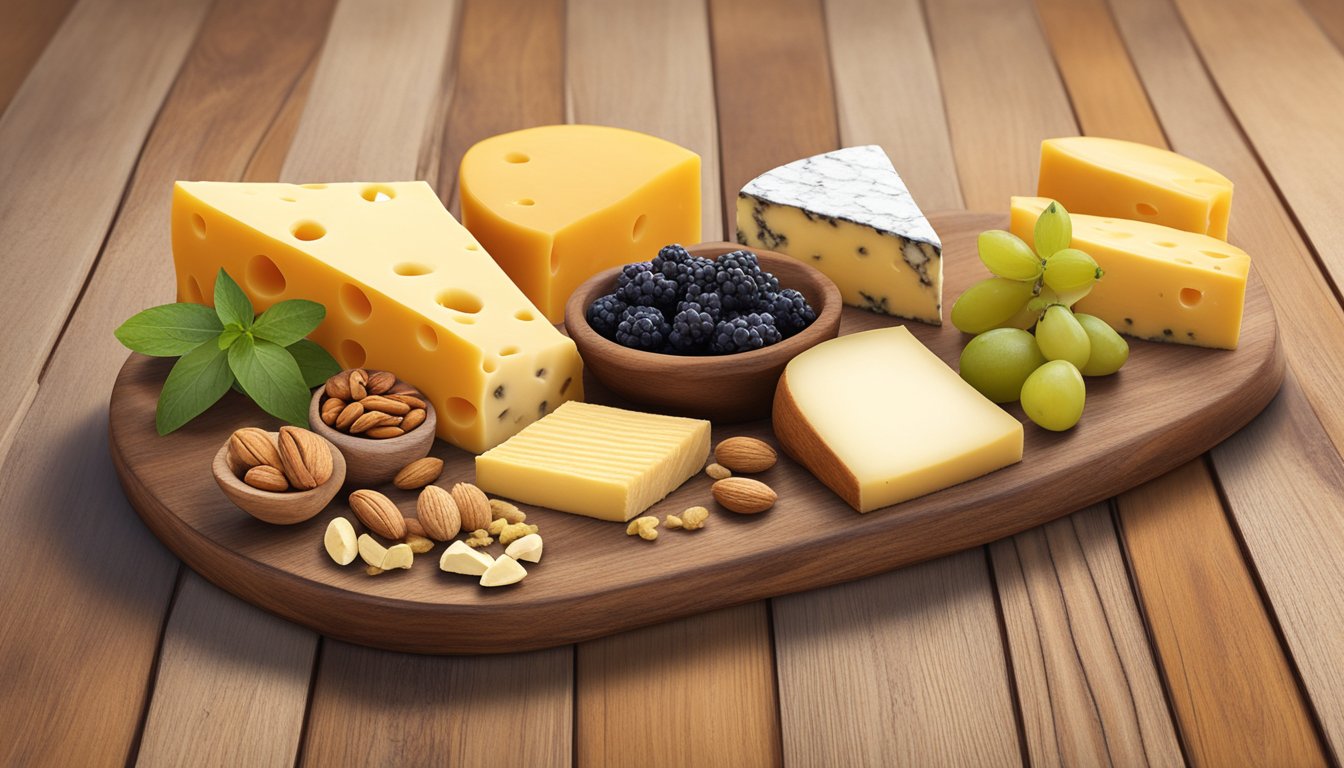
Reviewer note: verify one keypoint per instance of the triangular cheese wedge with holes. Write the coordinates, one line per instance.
(558, 203)
(1161, 284)
(407, 289)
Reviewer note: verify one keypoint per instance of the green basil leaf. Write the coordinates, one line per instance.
(231, 304)
(315, 363)
(289, 321)
(169, 330)
(271, 378)
(229, 336)
(195, 383)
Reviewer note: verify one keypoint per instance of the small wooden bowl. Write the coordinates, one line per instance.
(723, 388)
(279, 508)
(374, 462)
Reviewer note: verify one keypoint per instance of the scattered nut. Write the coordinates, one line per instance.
(503, 510)
(745, 454)
(694, 518)
(718, 471)
(418, 544)
(331, 408)
(504, 571)
(253, 447)
(527, 548)
(372, 570)
(264, 477)
(743, 495)
(438, 513)
(378, 513)
(418, 473)
(672, 522)
(340, 541)
(496, 526)
(414, 528)
(515, 531)
(472, 505)
(380, 382)
(479, 539)
(461, 558)
(370, 551)
(305, 457)
(384, 405)
(398, 556)
(644, 527)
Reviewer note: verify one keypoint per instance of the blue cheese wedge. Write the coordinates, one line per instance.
(848, 214)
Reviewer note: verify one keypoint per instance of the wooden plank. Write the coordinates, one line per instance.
(107, 69)
(225, 697)
(646, 66)
(376, 708)
(901, 669)
(698, 691)
(519, 42)
(1330, 15)
(1087, 685)
(905, 115)
(269, 157)
(1230, 684)
(29, 25)
(1291, 107)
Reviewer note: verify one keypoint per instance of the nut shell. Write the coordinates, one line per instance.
(378, 514)
(745, 455)
(743, 495)
(473, 506)
(251, 447)
(438, 513)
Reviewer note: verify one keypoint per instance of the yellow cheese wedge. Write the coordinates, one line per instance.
(1124, 180)
(597, 461)
(406, 288)
(556, 204)
(1161, 284)
(880, 419)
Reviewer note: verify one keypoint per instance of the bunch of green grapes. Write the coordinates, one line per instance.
(1006, 361)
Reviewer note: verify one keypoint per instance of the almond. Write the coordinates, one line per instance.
(348, 415)
(745, 455)
(383, 433)
(380, 382)
(384, 405)
(472, 505)
(411, 399)
(253, 447)
(414, 528)
(338, 386)
(418, 473)
(403, 388)
(372, 419)
(743, 495)
(264, 477)
(378, 514)
(438, 513)
(305, 457)
(358, 380)
(331, 408)
(413, 419)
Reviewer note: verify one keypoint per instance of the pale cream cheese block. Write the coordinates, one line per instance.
(880, 419)
(595, 460)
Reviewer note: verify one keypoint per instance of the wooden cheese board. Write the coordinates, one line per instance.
(1168, 405)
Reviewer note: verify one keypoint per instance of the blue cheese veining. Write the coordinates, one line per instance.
(848, 214)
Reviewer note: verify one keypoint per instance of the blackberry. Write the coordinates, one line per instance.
(750, 265)
(669, 256)
(649, 289)
(692, 328)
(605, 313)
(630, 272)
(792, 312)
(708, 301)
(744, 332)
(642, 328)
(695, 272)
(735, 287)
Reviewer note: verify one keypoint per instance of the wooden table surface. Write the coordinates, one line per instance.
(1197, 619)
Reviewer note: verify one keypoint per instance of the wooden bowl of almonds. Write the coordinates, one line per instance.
(379, 422)
(282, 477)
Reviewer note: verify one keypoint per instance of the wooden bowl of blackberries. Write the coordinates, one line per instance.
(703, 331)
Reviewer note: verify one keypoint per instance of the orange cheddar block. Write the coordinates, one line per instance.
(407, 289)
(556, 204)
(1124, 180)
(1161, 284)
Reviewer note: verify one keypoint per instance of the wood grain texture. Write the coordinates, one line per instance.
(240, 695)
(1235, 698)
(915, 678)
(905, 112)
(1303, 153)
(1330, 15)
(646, 66)
(29, 25)
(268, 159)
(375, 708)
(83, 110)
(1087, 686)
(699, 691)
(83, 654)
(514, 47)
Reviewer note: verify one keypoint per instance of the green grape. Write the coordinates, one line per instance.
(1025, 318)
(997, 362)
(1007, 256)
(1062, 338)
(1071, 271)
(1054, 230)
(1053, 395)
(989, 303)
(1109, 351)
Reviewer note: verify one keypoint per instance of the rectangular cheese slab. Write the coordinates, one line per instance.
(558, 203)
(595, 460)
(1124, 180)
(849, 214)
(880, 419)
(1161, 284)
(407, 289)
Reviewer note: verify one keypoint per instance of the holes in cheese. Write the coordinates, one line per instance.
(557, 203)
(406, 287)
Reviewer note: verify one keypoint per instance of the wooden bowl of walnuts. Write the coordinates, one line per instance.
(282, 477)
(379, 422)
